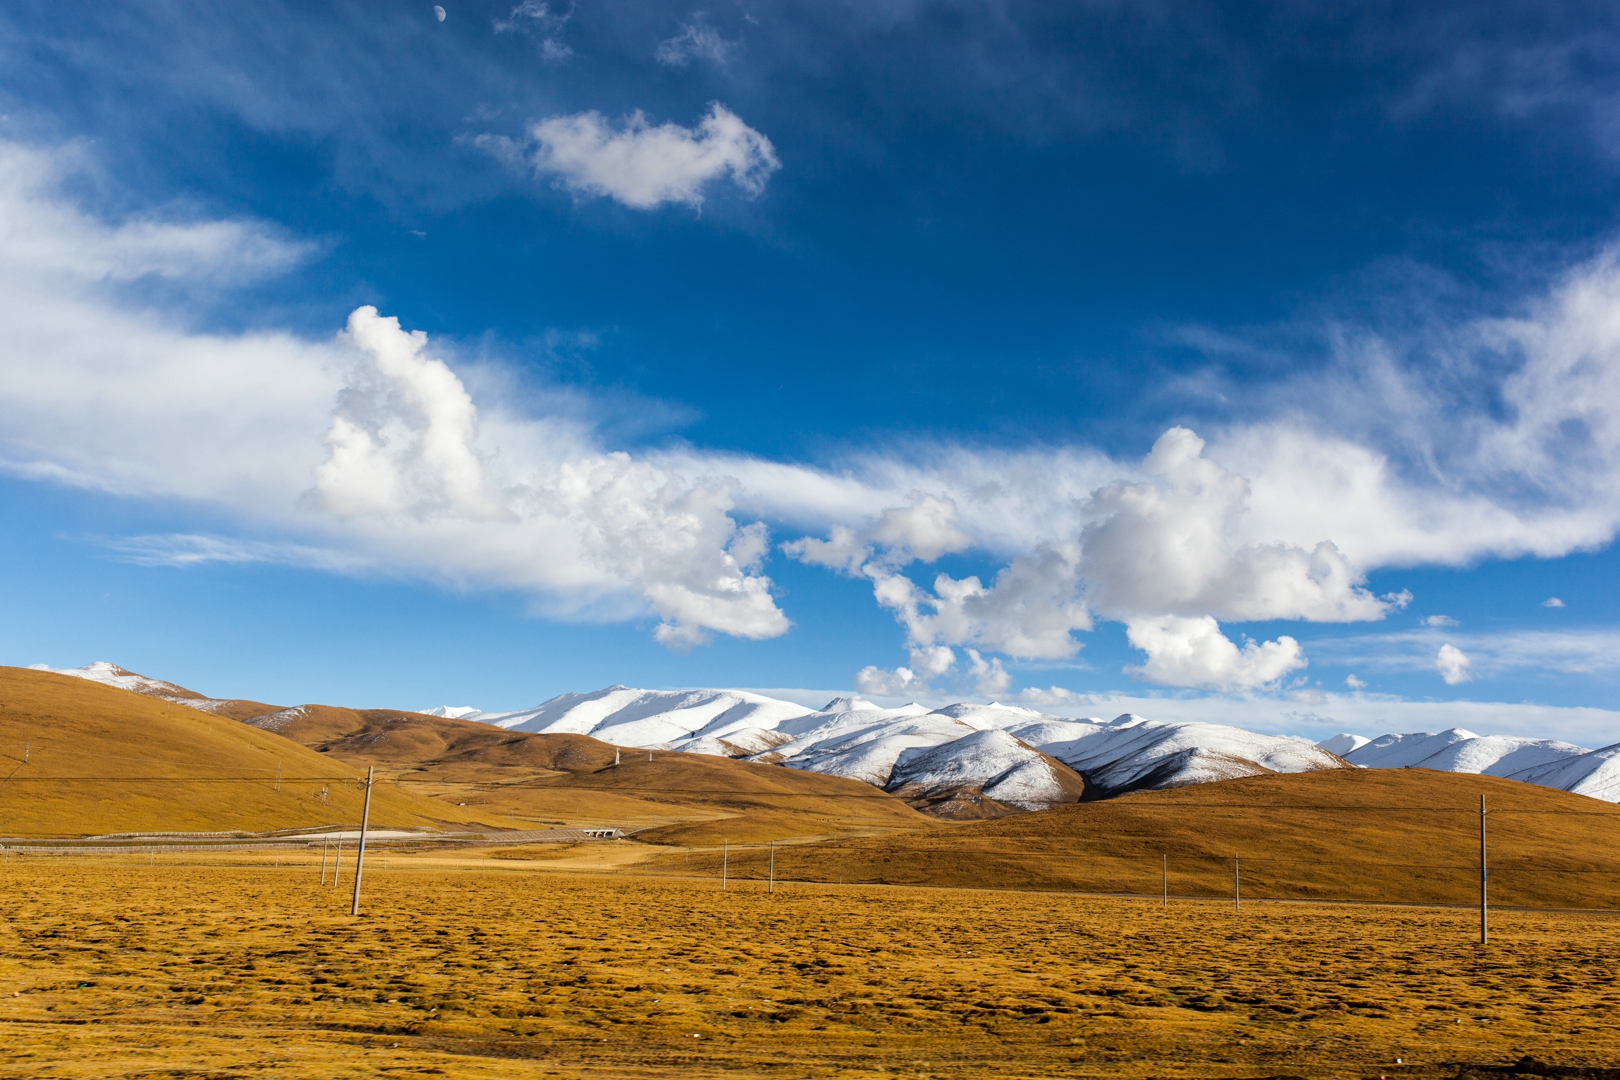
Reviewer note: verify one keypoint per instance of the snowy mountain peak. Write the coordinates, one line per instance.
(1343, 743)
(110, 674)
(454, 712)
(848, 704)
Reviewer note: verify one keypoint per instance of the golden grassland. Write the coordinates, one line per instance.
(1402, 835)
(503, 969)
(79, 758)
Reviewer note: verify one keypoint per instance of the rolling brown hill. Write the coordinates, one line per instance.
(80, 758)
(572, 779)
(1354, 834)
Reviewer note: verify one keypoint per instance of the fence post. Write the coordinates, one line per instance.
(772, 887)
(360, 854)
(1484, 929)
(1237, 886)
(724, 855)
(1164, 866)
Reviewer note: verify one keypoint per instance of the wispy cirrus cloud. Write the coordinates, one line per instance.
(196, 549)
(1487, 655)
(697, 40)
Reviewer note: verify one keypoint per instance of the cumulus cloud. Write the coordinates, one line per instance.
(1453, 665)
(695, 41)
(364, 451)
(367, 449)
(1354, 683)
(1438, 620)
(1029, 610)
(403, 437)
(1193, 653)
(924, 529)
(1169, 545)
(640, 165)
(1552, 601)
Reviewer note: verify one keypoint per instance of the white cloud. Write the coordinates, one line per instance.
(403, 437)
(990, 678)
(696, 41)
(540, 21)
(1565, 652)
(192, 549)
(1029, 611)
(1192, 652)
(1438, 620)
(640, 165)
(924, 529)
(1453, 665)
(877, 682)
(370, 445)
(1354, 683)
(1171, 545)
(982, 677)
(1553, 602)
(363, 451)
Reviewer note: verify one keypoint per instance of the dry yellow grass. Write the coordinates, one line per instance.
(102, 760)
(1381, 835)
(113, 969)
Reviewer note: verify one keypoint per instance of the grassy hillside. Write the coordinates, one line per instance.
(680, 798)
(1392, 835)
(80, 758)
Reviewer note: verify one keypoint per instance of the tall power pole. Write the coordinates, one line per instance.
(360, 855)
(1484, 927)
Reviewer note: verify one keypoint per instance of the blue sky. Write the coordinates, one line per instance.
(1261, 361)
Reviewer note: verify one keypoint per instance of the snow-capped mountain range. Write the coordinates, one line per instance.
(1015, 757)
(967, 760)
(914, 749)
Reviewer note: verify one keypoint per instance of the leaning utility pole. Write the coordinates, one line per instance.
(360, 856)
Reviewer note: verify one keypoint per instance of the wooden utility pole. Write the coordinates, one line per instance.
(1484, 928)
(360, 855)
(1164, 866)
(1237, 886)
(772, 887)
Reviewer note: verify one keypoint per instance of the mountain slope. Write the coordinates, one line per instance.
(983, 775)
(85, 758)
(567, 778)
(1401, 835)
(1595, 774)
(950, 760)
(1460, 750)
(100, 671)
(629, 717)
